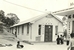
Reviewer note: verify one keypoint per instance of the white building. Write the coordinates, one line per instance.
(68, 12)
(44, 28)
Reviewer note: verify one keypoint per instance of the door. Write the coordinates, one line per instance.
(48, 33)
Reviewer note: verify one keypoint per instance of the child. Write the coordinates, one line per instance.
(18, 45)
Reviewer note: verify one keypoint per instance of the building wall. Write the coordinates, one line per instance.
(48, 20)
(13, 30)
(22, 35)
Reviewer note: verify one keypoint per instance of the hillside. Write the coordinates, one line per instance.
(7, 38)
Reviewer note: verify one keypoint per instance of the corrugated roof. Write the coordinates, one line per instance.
(67, 9)
(31, 20)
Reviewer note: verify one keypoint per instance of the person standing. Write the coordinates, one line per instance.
(58, 40)
(68, 40)
(71, 46)
(62, 39)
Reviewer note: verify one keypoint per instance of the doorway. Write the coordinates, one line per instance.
(48, 33)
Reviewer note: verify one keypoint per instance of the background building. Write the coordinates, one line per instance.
(69, 12)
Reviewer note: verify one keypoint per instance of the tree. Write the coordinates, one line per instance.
(13, 17)
(2, 15)
(10, 19)
(1, 26)
(8, 22)
(2, 18)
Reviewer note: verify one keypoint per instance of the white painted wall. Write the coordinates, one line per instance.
(45, 21)
(23, 36)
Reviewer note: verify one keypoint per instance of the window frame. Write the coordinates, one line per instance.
(56, 30)
(22, 29)
(18, 30)
(39, 29)
(27, 28)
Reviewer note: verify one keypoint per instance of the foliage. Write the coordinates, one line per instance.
(1, 15)
(13, 17)
(9, 20)
(2, 18)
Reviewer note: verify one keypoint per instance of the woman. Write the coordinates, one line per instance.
(58, 40)
(71, 46)
(62, 39)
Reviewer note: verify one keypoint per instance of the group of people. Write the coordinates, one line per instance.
(69, 42)
(60, 40)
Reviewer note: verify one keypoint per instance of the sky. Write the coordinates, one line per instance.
(32, 8)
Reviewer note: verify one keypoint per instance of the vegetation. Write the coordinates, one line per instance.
(13, 18)
(8, 20)
(1, 28)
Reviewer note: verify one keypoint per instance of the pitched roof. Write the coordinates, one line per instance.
(36, 18)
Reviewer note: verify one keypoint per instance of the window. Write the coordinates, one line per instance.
(27, 28)
(39, 31)
(18, 30)
(22, 29)
(73, 27)
(69, 16)
(69, 27)
(73, 15)
(56, 30)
